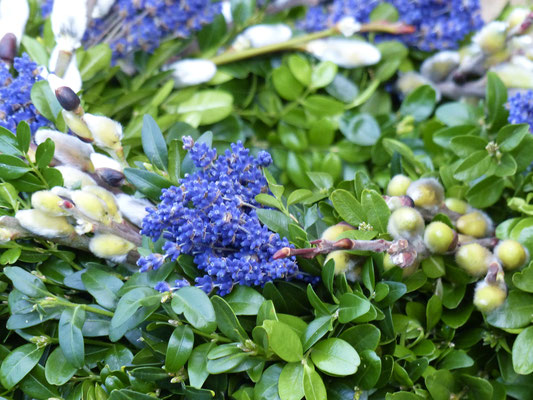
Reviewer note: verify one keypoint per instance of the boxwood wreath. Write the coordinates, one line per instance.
(269, 200)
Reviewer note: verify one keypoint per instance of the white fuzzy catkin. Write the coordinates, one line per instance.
(14, 15)
(190, 72)
(107, 133)
(346, 53)
(102, 7)
(267, 34)
(102, 161)
(69, 22)
(42, 224)
(69, 150)
(73, 178)
(132, 208)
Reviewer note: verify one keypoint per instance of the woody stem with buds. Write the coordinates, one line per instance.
(80, 242)
(232, 56)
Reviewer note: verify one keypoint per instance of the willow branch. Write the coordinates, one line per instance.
(75, 241)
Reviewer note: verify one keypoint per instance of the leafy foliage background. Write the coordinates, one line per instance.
(75, 327)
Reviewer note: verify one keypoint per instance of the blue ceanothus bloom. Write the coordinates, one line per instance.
(212, 216)
(142, 24)
(15, 95)
(439, 24)
(521, 108)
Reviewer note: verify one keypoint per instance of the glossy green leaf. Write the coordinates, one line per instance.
(179, 348)
(70, 335)
(196, 308)
(58, 370)
(227, 321)
(153, 143)
(314, 387)
(523, 352)
(419, 103)
(335, 357)
(244, 300)
(283, 341)
(19, 363)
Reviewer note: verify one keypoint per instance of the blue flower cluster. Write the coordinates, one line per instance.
(521, 108)
(15, 95)
(439, 24)
(212, 217)
(143, 24)
(46, 8)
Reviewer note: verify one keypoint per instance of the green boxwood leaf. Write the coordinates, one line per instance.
(496, 93)
(335, 357)
(290, 385)
(153, 143)
(35, 385)
(132, 309)
(197, 366)
(348, 207)
(485, 192)
(314, 387)
(515, 312)
(244, 300)
(523, 280)
(12, 167)
(267, 387)
(316, 330)
(94, 60)
(196, 307)
(45, 100)
(474, 166)
(179, 348)
(283, 341)
(369, 371)
(58, 370)
(25, 282)
(362, 337)
(352, 306)
(523, 352)
(23, 136)
(377, 211)
(70, 335)
(323, 74)
(102, 285)
(210, 106)
(147, 182)
(300, 68)
(419, 103)
(510, 136)
(19, 363)
(227, 321)
(361, 129)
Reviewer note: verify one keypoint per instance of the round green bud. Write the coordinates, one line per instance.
(456, 205)
(405, 223)
(439, 237)
(342, 259)
(408, 271)
(333, 232)
(474, 224)
(473, 258)
(488, 297)
(398, 185)
(426, 193)
(511, 254)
